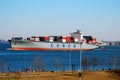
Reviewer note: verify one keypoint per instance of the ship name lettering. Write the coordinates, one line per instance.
(51, 45)
(74, 46)
(58, 45)
(63, 45)
(68, 45)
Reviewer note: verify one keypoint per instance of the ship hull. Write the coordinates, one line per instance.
(27, 45)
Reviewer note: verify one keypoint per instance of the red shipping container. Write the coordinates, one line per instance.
(46, 38)
(32, 39)
(37, 36)
(68, 39)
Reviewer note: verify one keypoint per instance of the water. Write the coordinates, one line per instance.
(20, 60)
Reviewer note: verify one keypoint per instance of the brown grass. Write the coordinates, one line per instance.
(88, 75)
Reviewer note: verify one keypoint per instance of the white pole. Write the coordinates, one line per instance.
(80, 71)
(70, 62)
(80, 61)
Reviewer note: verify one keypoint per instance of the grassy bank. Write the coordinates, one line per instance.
(87, 75)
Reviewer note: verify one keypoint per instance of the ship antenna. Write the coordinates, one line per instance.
(78, 30)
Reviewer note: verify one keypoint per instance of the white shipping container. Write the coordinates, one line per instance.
(37, 39)
(50, 40)
(63, 40)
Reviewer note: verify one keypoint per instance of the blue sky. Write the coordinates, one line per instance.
(99, 18)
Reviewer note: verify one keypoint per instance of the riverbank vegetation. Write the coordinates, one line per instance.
(86, 75)
(89, 70)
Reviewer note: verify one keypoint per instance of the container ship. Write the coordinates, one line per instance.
(75, 41)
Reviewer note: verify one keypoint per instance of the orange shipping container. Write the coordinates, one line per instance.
(67, 39)
(46, 38)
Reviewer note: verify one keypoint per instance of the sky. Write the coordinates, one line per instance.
(26, 18)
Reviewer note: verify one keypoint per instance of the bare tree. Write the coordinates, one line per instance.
(38, 64)
(57, 64)
(2, 64)
(85, 63)
(106, 62)
(95, 62)
(114, 64)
